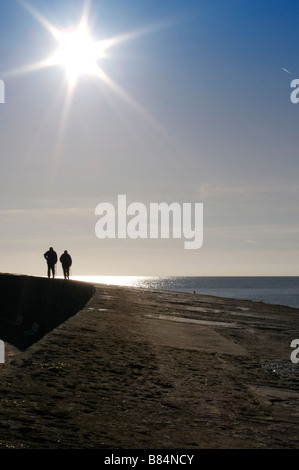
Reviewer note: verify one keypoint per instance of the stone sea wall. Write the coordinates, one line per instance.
(37, 305)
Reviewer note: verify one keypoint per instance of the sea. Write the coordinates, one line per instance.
(277, 290)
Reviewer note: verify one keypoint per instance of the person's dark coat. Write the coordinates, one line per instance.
(66, 259)
(51, 257)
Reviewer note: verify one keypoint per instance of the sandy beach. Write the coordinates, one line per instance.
(146, 369)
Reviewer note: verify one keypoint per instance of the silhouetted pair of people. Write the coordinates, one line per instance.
(65, 259)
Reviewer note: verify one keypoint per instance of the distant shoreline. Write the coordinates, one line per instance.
(274, 290)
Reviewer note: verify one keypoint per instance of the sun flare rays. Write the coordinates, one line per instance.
(80, 54)
(77, 50)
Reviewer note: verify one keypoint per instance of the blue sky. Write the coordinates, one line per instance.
(205, 116)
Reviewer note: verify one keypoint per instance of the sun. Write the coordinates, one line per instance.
(78, 53)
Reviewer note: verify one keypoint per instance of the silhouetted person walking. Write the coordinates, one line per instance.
(51, 257)
(66, 262)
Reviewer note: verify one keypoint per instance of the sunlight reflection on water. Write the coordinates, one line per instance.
(133, 281)
(279, 290)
